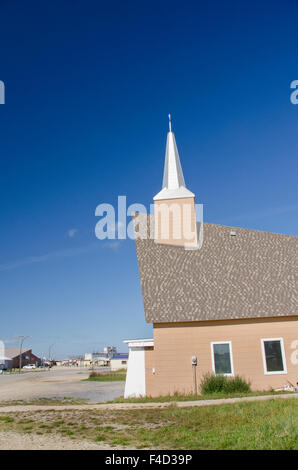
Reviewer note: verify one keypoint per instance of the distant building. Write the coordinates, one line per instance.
(27, 357)
(101, 358)
(88, 357)
(119, 361)
(110, 350)
(97, 358)
(5, 363)
(108, 358)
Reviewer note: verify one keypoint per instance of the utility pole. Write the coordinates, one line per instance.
(50, 348)
(22, 338)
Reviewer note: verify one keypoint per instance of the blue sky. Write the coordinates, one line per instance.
(89, 86)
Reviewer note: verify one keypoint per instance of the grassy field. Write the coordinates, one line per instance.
(117, 376)
(46, 401)
(269, 424)
(191, 397)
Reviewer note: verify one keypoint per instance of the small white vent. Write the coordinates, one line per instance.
(232, 233)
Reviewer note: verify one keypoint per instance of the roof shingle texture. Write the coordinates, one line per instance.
(250, 275)
(14, 352)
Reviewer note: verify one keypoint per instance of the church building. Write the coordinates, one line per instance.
(221, 299)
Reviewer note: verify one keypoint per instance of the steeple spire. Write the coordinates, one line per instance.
(173, 185)
(174, 206)
(170, 123)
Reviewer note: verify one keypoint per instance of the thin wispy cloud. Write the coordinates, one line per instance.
(264, 213)
(49, 256)
(72, 232)
(111, 244)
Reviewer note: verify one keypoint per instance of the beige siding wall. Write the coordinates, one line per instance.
(175, 222)
(149, 366)
(176, 343)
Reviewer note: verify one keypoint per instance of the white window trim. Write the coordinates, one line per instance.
(284, 371)
(231, 356)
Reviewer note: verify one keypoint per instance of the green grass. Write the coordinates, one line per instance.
(270, 424)
(212, 383)
(117, 376)
(175, 397)
(6, 419)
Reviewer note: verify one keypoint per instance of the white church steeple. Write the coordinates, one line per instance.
(174, 205)
(173, 185)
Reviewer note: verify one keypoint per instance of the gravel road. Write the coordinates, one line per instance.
(16, 441)
(57, 383)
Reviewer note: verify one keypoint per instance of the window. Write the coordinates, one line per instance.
(274, 356)
(222, 361)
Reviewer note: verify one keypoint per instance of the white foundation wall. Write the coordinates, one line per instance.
(135, 385)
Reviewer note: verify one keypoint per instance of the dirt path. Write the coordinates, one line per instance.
(126, 406)
(15, 441)
(57, 383)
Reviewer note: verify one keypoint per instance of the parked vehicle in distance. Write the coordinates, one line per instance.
(29, 366)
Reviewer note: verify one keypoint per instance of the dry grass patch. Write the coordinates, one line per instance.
(175, 397)
(268, 424)
(116, 376)
(46, 402)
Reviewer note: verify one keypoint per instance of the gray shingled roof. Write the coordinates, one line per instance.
(14, 352)
(250, 275)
